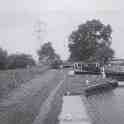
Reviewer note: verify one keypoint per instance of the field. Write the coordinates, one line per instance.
(11, 79)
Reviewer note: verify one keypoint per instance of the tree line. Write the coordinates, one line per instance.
(46, 55)
(90, 42)
(14, 61)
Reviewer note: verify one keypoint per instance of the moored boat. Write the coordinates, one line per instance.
(100, 87)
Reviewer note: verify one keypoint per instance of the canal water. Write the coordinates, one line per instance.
(107, 107)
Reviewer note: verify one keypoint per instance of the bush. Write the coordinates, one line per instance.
(3, 59)
(12, 79)
(20, 61)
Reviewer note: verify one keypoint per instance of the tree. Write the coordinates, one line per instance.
(91, 42)
(47, 54)
(3, 58)
(20, 61)
(56, 62)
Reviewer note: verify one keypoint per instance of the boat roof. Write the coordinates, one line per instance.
(87, 62)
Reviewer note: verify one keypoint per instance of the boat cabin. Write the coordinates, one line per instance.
(86, 67)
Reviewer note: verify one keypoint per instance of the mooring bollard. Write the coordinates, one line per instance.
(103, 73)
(68, 117)
(87, 82)
(68, 93)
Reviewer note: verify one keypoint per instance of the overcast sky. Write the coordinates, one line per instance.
(19, 18)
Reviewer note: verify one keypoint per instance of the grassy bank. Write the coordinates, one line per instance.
(11, 79)
(56, 105)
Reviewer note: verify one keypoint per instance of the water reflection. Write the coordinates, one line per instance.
(106, 107)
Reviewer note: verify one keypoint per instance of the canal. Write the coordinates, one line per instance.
(107, 107)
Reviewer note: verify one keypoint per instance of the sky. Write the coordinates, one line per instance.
(20, 20)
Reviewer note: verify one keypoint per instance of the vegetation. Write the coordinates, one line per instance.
(3, 59)
(14, 61)
(91, 42)
(20, 61)
(47, 55)
(11, 79)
